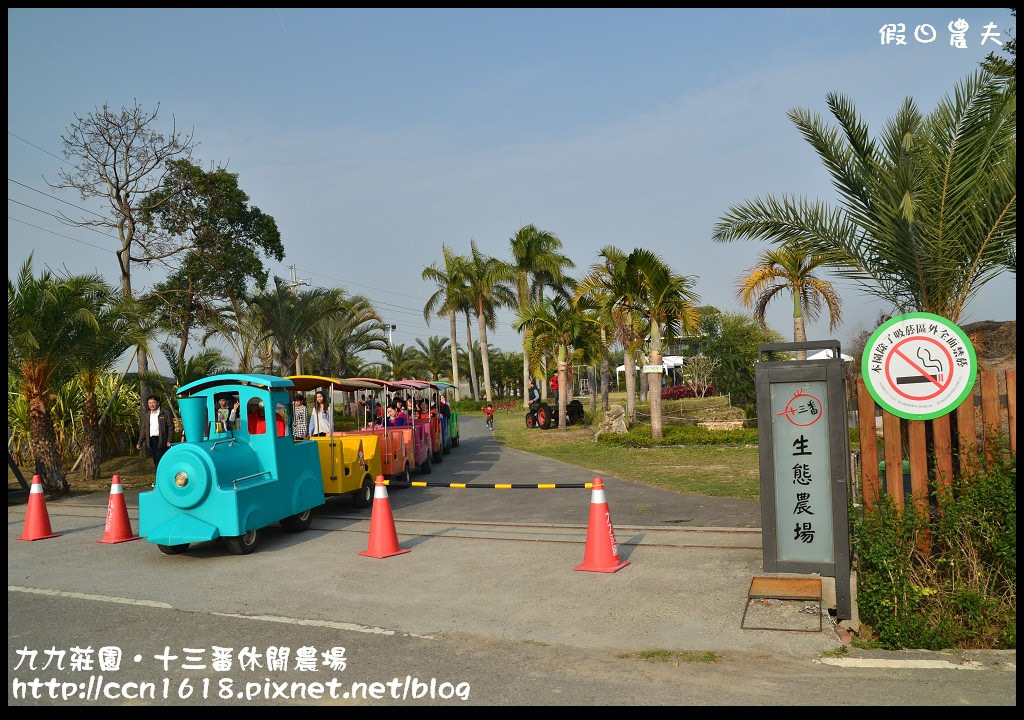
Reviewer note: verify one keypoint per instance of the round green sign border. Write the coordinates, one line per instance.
(865, 365)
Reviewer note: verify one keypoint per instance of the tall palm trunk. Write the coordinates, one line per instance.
(474, 383)
(563, 381)
(592, 379)
(43, 441)
(630, 363)
(654, 381)
(605, 381)
(799, 334)
(526, 370)
(455, 352)
(482, 319)
(90, 432)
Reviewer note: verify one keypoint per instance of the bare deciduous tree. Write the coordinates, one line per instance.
(119, 157)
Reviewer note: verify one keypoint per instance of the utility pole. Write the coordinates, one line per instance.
(294, 283)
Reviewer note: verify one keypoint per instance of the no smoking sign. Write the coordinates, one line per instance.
(919, 366)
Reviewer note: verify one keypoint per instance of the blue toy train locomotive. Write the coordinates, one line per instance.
(238, 470)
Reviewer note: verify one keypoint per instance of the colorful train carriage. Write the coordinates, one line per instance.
(416, 436)
(453, 418)
(349, 462)
(397, 445)
(428, 393)
(234, 476)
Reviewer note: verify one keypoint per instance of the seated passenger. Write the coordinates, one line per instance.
(401, 418)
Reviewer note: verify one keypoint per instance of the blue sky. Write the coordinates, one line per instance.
(374, 136)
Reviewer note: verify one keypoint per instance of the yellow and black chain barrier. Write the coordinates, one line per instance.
(494, 486)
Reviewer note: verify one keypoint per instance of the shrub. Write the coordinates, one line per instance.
(640, 436)
(675, 392)
(962, 592)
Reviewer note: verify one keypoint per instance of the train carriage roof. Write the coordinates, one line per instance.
(305, 383)
(264, 382)
(376, 384)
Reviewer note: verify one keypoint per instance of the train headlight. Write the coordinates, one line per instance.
(181, 479)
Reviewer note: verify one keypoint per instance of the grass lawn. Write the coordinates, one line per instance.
(704, 470)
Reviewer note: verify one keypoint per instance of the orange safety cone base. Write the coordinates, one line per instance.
(38, 537)
(367, 553)
(613, 568)
(120, 540)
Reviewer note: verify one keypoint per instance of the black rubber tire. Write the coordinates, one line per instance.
(425, 466)
(544, 418)
(173, 549)
(455, 441)
(298, 522)
(243, 544)
(447, 449)
(407, 475)
(530, 420)
(363, 497)
(574, 413)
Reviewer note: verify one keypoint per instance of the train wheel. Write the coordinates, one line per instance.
(363, 497)
(425, 466)
(439, 457)
(455, 441)
(173, 549)
(544, 416)
(243, 544)
(297, 523)
(447, 448)
(407, 475)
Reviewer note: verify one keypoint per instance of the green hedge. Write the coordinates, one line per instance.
(682, 435)
(691, 435)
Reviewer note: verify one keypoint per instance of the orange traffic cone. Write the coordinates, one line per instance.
(383, 536)
(602, 552)
(119, 527)
(37, 520)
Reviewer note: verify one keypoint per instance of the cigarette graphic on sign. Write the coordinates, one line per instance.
(932, 365)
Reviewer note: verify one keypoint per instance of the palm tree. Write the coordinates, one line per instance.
(928, 211)
(337, 341)
(289, 318)
(434, 351)
(789, 268)
(47, 316)
(670, 305)
(599, 346)
(535, 260)
(487, 278)
(402, 363)
(448, 299)
(612, 287)
(120, 325)
(555, 322)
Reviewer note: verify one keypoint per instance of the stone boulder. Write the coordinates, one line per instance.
(614, 421)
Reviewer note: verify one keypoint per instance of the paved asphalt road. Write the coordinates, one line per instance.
(486, 601)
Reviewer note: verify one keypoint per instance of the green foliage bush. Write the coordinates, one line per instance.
(640, 436)
(463, 406)
(963, 592)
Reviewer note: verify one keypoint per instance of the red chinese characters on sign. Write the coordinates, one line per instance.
(803, 409)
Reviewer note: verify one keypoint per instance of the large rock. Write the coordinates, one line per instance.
(614, 421)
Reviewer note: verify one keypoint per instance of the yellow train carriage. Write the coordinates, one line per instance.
(348, 463)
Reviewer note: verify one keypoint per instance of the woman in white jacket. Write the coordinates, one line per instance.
(320, 416)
